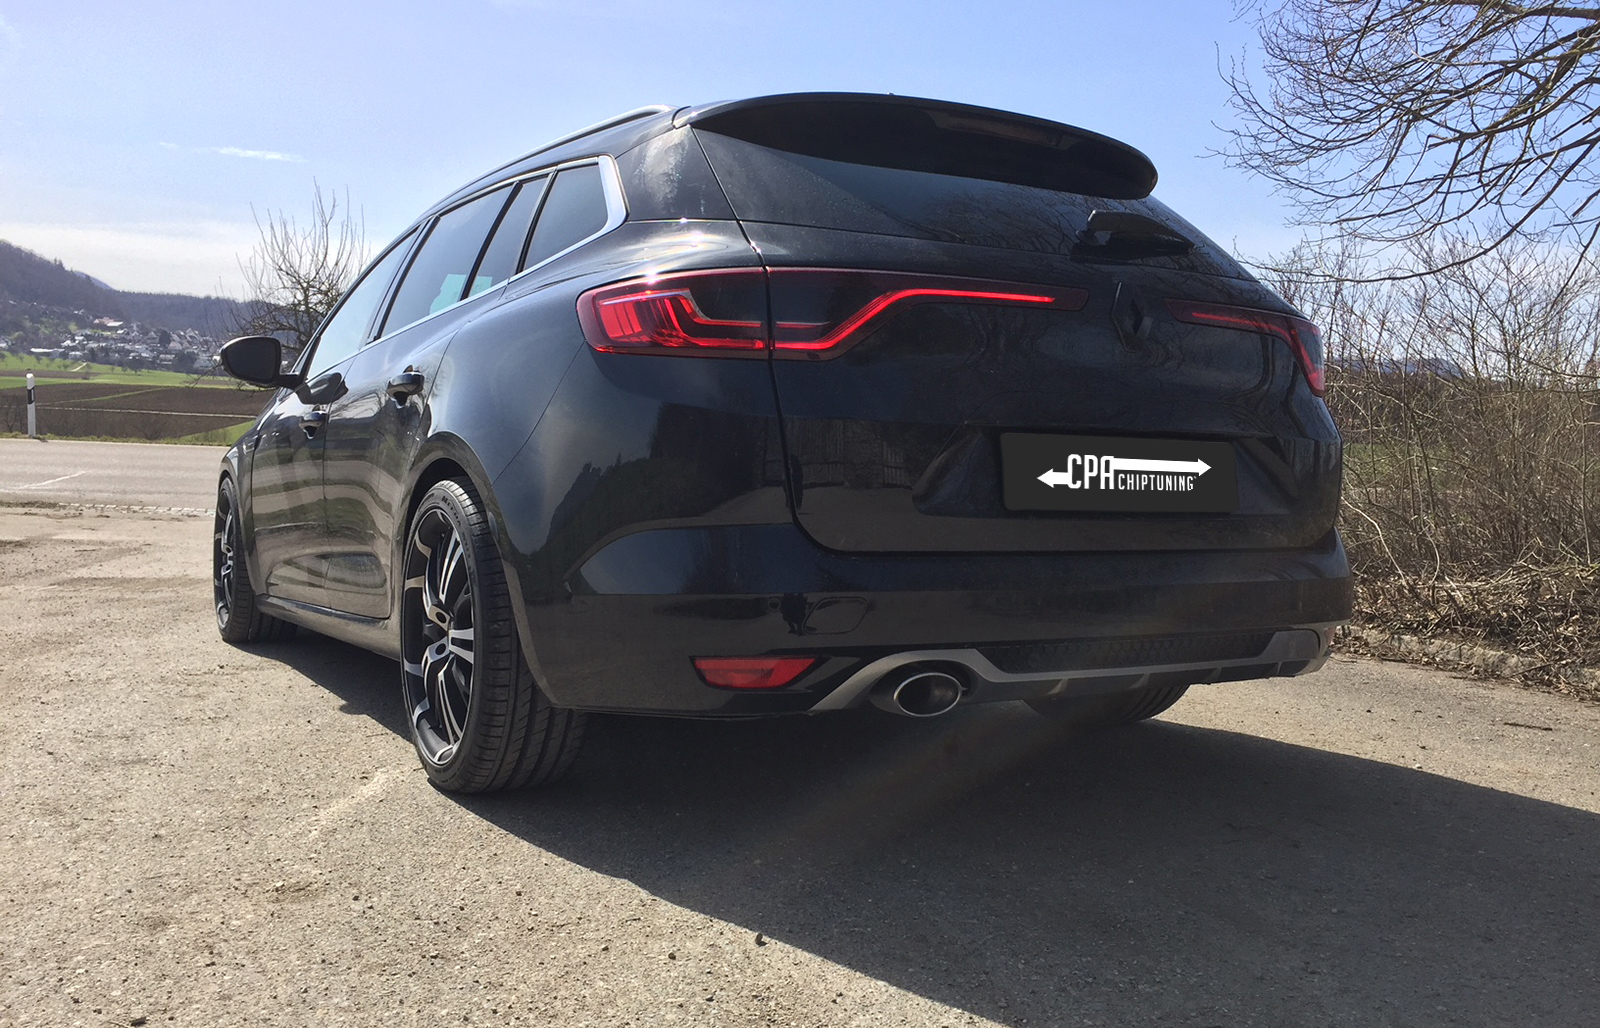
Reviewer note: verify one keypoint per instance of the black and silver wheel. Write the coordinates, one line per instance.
(1094, 713)
(478, 719)
(234, 594)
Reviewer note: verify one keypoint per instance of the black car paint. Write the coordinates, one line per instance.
(654, 508)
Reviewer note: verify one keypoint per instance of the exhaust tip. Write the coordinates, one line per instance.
(919, 692)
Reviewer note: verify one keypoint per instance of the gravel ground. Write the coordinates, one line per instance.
(198, 834)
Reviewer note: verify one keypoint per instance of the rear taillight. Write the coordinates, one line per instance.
(817, 314)
(1302, 336)
(709, 313)
(751, 672)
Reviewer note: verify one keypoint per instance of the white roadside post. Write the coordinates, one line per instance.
(33, 421)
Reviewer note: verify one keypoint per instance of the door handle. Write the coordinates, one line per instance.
(403, 385)
(312, 420)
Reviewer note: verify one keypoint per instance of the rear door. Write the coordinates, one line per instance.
(375, 431)
(977, 326)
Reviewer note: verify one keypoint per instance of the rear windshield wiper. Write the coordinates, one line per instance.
(1125, 235)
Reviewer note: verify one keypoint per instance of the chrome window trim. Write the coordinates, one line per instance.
(407, 239)
(616, 214)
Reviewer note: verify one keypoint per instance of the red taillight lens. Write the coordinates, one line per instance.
(1303, 337)
(819, 313)
(752, 672)
(723, 311)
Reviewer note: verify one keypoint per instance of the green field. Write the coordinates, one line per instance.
(215, 437)
(13, 368)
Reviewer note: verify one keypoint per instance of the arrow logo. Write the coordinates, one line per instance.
(1053, 478)
(1177, 467)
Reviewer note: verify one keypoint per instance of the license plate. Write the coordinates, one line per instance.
(1104, 473)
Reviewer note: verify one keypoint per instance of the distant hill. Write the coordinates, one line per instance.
(26, 277)
(209, 315)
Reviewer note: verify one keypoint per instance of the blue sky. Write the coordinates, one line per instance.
(135, 139)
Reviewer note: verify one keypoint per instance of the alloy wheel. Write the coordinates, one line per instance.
(438, 624)
(224, 549)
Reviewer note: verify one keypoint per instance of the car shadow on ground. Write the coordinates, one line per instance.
(1162, 875)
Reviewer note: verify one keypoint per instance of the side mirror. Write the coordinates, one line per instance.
(257, 360)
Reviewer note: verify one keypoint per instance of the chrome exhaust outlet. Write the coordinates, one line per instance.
(918, 692)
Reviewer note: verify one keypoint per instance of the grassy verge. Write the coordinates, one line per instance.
(1530, 622)
(148, 380)
(212, 437)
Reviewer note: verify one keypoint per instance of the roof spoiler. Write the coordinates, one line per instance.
(915, 134)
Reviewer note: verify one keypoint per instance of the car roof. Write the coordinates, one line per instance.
(619, 134)
(611, 136)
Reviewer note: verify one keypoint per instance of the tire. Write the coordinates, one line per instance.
(1097, 713)
(478, 720)
(234, 594)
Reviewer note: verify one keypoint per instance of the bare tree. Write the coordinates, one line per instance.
(297, 272)
(1384, 120)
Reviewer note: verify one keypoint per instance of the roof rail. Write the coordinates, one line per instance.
(633, 115)
(636, 113)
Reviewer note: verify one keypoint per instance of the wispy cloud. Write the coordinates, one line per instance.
(256, 155)
(235, 151)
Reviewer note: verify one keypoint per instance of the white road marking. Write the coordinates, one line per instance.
(50, 481)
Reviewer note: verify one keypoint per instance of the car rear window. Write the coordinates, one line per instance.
(574, 211)
(438, 274)
(772, 185)
(504, 253)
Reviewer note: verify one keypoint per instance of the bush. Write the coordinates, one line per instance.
(1468, 403)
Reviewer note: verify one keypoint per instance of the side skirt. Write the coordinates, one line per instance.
(380, 635)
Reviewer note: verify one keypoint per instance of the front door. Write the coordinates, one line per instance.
(287, 525)
(285, 507)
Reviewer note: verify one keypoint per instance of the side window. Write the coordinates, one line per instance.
(347, 331)
(437, 277)
(505, 246)
(575, 210)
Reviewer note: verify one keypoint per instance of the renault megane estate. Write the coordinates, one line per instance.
(786, 405)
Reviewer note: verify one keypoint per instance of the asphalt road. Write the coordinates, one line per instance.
(132, 474)
(198, 834)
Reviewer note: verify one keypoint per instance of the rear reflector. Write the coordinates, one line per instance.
(820, 313)
(1303, 337)
(752, 672)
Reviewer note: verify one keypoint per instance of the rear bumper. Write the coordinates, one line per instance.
(637, 612)
(1287, 652)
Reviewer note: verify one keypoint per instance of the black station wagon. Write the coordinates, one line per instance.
(789, 405)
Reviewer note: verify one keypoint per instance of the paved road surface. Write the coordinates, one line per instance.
(197, 834)
(133, 474)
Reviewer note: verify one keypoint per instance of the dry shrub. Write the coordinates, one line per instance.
(1469, 406)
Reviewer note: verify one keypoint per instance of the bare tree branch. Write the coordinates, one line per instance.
(1389, 119)
(297, 273)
